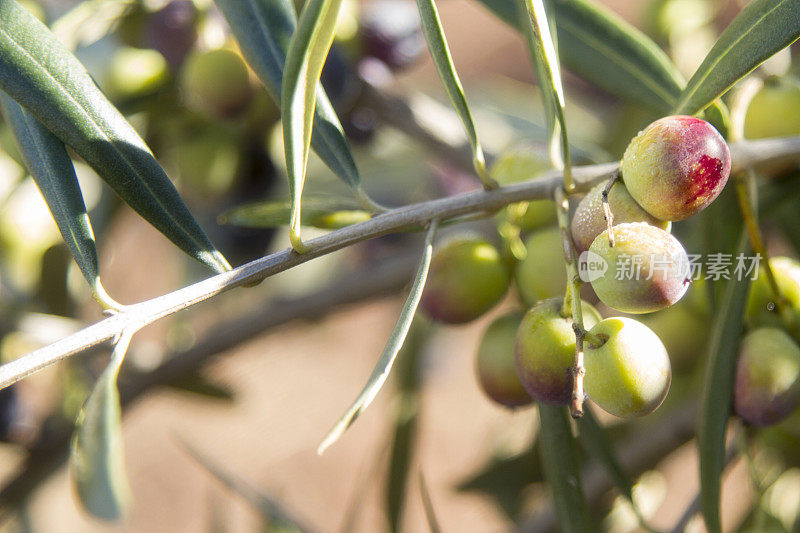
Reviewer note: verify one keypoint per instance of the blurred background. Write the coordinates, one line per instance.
(264, 372)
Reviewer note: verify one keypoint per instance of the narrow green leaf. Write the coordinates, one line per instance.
(38, 72)
(763, 28)
(51, 168)
(548, 71)
(305, 58)
(272, 511)
(717, 393)
(264, 29)
(324, 212)
(440, 52)
(562, 469)
(97, 460)
(396, 340)
(605, 50)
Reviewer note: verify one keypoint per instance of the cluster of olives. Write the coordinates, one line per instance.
(670, 171)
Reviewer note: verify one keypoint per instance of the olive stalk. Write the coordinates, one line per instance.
(572, 302)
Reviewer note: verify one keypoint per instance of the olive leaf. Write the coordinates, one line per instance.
(51, 169)
(263, 29)
(97, 460)
(763, 28)
(305, 58)
(324, 212)
(39, 73)
(562, 470)
(440, 52)
(548, 71)
(393, 346)
(718, 392)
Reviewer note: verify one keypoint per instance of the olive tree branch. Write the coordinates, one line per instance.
(411, 217)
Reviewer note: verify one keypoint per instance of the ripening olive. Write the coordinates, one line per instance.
(767, 377)
(589, 218)
(495, 367)
(646, 268)
(545, 350)
(467, 277)
(676, 166)
(628, 374)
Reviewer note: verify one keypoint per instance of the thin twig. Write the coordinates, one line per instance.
(572, 301)
(404, 218)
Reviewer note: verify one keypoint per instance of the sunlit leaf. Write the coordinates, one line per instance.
(51, 168)
(393, 346)
(763, 28)
(264, 29)
(440, 52)
(549, 75)
(97, 461)
(717, 392)
(305, 58)
(562, 469)
(39, 73)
